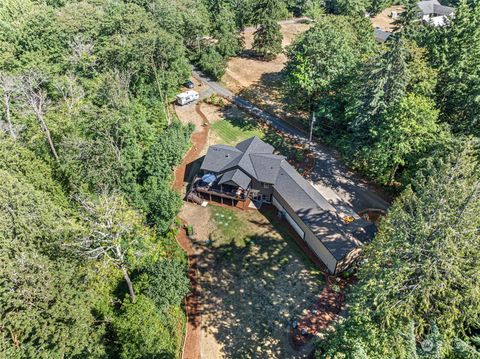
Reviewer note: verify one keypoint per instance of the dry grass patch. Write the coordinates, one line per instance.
(384, 20)
(255, 281)
(261, 81)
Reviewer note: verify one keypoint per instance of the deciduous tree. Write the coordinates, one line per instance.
(114, 233)
(36, 97)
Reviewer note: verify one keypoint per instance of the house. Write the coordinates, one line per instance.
(251, 171)
(434, 13)
(381, 35)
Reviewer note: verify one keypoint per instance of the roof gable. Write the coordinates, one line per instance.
(237, 177)
(218, 156)
(266, 166)
(254, 145)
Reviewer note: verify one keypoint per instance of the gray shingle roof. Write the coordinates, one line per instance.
(249, 146)
(297, 191)
(433, 7)
(319, 215)
(254, 145)
(218, 156)
(243, 161)
(266, 166)
(236, 177)
(443, 10)
(253, 158)
(381, 35)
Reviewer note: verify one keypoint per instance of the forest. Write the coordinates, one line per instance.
(89, 264)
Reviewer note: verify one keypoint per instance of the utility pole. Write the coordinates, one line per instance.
(312, 122)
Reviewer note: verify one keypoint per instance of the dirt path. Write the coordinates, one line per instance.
(191, 348)
(199, 140)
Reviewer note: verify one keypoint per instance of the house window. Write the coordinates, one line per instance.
(267, 198)
(266, 185)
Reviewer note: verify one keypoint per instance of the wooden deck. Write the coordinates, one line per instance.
(223, 199)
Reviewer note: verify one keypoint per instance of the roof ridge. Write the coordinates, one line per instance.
(267, 155)
(301, 187)
(253, 165)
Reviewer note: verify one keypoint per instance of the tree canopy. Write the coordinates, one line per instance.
(86, 202)
(420, 274)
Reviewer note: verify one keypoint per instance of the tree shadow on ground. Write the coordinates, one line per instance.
(251, 295)
(268, 94)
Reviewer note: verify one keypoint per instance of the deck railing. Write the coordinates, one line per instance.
(216, 190)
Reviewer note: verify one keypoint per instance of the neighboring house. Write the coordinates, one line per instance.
(381, 35)
(434, 13)
(251, 171)
(430, 12)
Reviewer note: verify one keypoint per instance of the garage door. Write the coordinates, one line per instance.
(289, 219)
(294, 224)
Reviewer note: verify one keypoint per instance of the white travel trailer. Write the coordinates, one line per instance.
(187, 97)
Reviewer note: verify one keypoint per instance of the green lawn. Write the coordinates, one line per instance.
(239, 228)
(229, 228)
(233, 130)
(238, 126)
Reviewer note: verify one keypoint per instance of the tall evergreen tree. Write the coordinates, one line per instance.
(408, 130)
(268, 38)
(348, 7)
(408, 22)
(383, 84)
(229, 40)
(423, 266)
(458, 59)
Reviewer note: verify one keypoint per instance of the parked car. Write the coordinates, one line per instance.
(189, 84)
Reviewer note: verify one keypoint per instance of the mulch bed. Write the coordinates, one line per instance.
(191, 346)
(199, 140)
(323, 313)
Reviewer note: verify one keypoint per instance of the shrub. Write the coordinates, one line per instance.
(167, 283)
(143, 331)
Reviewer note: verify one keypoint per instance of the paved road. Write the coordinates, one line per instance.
(339, 185)
(283, 22)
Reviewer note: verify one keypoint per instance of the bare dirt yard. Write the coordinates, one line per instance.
(260, 81)
(245, 71)
(384, 20)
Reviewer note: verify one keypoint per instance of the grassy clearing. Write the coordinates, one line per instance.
(233, 130)
(241, 229)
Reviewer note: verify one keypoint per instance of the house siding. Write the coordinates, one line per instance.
(310, 238)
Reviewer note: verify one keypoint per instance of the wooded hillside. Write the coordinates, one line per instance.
(89, 264)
